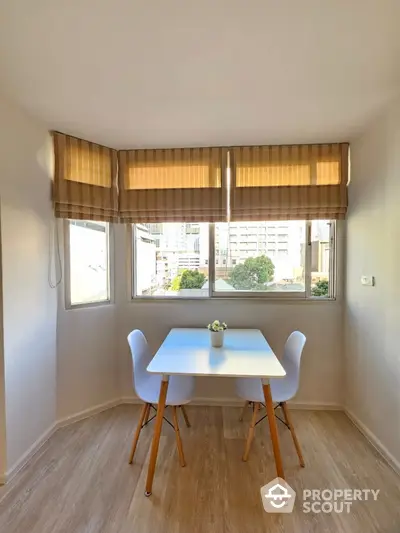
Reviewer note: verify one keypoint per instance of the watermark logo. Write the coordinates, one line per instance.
(278, 496)
(335, 500)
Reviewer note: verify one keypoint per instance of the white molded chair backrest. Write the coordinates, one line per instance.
(291, 361)
(141, 356)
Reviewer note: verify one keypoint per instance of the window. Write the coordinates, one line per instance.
(87, 260)
(265, 271)
(322, 256)
(173, 265)
(183, 263)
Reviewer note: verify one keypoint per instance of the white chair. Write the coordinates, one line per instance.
(147, 387)
(282, 390)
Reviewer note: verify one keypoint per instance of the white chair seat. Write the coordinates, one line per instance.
(250, 389)
(180, 389)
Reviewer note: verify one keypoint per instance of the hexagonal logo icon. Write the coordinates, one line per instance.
(277, 496)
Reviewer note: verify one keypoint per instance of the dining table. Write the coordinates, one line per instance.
(188, 352)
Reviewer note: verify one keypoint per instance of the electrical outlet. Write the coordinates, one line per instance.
(368, 281)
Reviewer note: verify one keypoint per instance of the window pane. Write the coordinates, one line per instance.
(264, 259)
(89, 270)
(171, 259)
(320, 257)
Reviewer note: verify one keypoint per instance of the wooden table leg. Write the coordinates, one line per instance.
(156, 436)
(272, 428)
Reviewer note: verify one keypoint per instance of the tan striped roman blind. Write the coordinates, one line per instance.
(85, 180)
(289, 182)
(167, 185)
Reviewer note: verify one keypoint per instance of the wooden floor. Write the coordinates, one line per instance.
(80, 481)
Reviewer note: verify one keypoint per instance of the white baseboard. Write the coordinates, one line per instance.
(130, 399)
(237, 402)
(86, 413)
(27, 456)
(217, 402)
(316, 406)
(376, 443)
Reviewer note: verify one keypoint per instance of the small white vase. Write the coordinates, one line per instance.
(217, 338)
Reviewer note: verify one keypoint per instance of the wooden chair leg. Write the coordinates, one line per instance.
(178, 437)
(185, 416)
(146, 418)
(251, 431)
(156, 437)
(288, 419)
(246, 404)
(143, 413)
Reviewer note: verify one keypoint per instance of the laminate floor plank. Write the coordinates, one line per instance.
(80, 480)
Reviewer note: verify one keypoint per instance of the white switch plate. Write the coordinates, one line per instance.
(368, 280)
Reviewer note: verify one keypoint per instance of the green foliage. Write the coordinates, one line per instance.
(189, 279)
(321, 288)
(192, 279)
(253, 274)
(176, 283)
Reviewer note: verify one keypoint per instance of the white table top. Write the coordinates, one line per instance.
(188, 351)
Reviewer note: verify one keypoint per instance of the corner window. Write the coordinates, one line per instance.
(235, 259)
(87, 261)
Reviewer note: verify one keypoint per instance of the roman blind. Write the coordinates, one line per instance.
(85, 180)
(167, 185)
(289, 182)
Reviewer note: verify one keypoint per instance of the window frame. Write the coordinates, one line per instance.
(297, 296)
(67, 269)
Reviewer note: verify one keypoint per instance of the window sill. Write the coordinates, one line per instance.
(161, 299)
(90, 305)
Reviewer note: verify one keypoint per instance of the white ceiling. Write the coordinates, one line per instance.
(131, 73)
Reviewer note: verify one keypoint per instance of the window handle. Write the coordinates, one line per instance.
(308, 234)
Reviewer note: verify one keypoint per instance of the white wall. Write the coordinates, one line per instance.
(3, 440)
(321, 378)
(94, 363)
(87, 359)
(29, 305)
(87, 354)
(373, 313)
